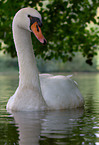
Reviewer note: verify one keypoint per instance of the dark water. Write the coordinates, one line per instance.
(68, 127)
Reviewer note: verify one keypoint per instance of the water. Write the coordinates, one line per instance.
(68, 127)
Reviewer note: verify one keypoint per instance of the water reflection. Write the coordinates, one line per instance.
(28, 126)
(53, 124)
(51, 127)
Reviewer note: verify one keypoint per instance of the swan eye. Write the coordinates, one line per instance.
(29, 16)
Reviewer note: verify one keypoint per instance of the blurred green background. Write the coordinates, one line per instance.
(71, 28)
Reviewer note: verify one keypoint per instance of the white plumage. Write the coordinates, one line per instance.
(38, 92)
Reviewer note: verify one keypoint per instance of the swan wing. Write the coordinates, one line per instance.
(60, 92)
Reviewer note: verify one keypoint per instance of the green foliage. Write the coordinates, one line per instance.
(64, 26)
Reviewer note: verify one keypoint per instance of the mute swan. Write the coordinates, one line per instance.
(38, 92)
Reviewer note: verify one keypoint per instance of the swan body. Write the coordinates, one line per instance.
(38, 92)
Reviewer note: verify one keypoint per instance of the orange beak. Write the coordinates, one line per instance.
(37, 32)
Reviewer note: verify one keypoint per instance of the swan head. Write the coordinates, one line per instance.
(30, 19)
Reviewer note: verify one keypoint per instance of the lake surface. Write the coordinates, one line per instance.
(68, 127)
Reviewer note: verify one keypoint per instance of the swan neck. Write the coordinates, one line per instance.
(28, 73)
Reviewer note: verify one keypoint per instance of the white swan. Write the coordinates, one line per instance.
(38, 92)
